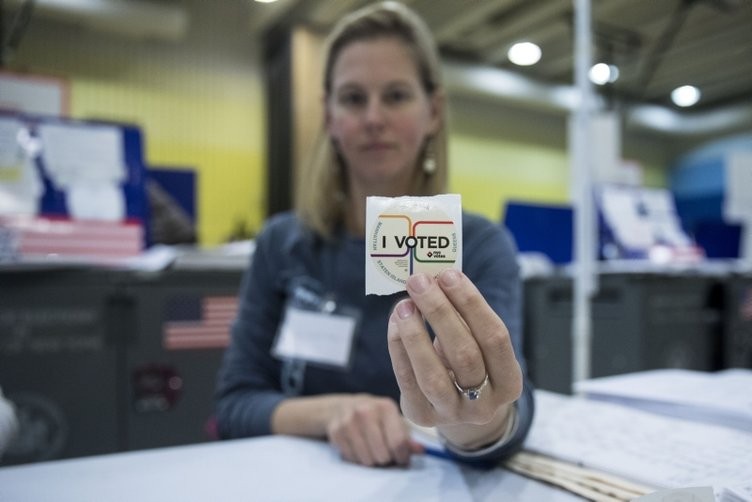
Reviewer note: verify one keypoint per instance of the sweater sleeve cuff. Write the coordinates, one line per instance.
(486, 450)
(252, 417)
(509, 443)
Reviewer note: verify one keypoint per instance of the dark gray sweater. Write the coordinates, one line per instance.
(291, 264)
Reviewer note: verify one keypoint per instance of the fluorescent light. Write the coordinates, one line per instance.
(686, 95)
(524, 53)
(602, 73)
(266, 1)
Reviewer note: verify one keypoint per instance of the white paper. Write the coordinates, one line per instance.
(10, 149)
(722, 398)
(641, 446)
(20, 184)
(738, 193)
(315, 337)
(661, 213)
(642, 218)
(605, 147)
(76, 153)
(33, 94)
(95, 200)
(619, 208)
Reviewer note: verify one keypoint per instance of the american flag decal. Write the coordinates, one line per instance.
(198, 322)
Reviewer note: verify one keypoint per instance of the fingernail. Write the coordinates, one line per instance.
(449, 277)
(405, 309)
(418, 282)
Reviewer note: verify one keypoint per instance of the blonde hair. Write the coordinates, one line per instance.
(322, 191)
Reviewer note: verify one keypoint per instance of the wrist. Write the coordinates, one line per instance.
(471, 437)
(308, 416)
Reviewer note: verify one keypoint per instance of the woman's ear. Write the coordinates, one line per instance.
(326, 114)
(437, 103)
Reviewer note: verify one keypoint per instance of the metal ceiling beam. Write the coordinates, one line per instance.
(465, 79)
(467, 19)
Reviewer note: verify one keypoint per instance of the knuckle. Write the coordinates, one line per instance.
(437, 391)
(382, 457)
(434, 306)
(338, 437)
(392, 335)
(466, 360)
(403, 374)
(362, 413)
(411, 335)
(386, 404)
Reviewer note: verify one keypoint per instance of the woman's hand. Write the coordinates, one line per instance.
(471, 344)
(370, 430)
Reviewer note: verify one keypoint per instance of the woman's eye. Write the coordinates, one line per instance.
(352, 99)
(396, 96)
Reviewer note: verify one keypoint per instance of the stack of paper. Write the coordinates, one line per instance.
(589, 483)
(51, 240)
(643, 447)
(722, 398)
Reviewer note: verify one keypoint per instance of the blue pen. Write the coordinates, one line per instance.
(437, 452)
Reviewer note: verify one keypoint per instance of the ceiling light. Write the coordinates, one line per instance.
(266, 1)
(686, 95)
(524, 54)
(602, 73)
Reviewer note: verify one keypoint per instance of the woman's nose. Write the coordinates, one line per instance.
(374, 112)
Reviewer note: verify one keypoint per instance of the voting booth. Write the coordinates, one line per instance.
(71, 190)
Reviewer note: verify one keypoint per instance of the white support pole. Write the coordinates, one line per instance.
(585, 222)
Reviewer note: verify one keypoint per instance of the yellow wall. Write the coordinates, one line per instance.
(199, 103)
(489, 172)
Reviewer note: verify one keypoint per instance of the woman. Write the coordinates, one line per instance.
(384, 134)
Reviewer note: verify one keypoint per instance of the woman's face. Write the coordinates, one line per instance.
(379, 114)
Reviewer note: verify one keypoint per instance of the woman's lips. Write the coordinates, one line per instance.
(377, 147)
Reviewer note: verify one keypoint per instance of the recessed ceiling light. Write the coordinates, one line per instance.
(686, 95)
(524, 54)
(602, 73)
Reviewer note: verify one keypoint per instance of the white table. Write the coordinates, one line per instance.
(268, 468)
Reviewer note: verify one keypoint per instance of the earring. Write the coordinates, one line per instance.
(429, 162)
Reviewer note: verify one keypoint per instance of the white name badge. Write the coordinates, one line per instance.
(315, 337)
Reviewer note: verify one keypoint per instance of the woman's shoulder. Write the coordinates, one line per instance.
(474, 224)
(283, 230)
(479, 230)
(285, 221)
